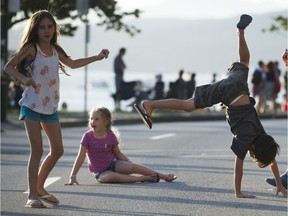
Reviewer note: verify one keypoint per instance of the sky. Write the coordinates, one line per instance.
(192, 9)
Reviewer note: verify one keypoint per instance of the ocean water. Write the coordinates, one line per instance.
(100, 86)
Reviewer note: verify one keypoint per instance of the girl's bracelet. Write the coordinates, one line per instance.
(72, 177)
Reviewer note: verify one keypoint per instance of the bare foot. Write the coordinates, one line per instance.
(146, 107)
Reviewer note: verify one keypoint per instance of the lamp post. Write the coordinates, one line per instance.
(82, 7)
(87, 31)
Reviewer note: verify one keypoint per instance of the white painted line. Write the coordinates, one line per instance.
(49, 181)
(271, 189)
(204, 155)
(163, 136)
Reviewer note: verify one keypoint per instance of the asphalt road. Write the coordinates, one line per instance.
(197, 152)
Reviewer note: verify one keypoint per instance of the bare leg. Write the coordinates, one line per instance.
(170, 104)
(114, 177)
(53, 132)
(33, 130)
(244, 54)
(124, 170)
(188, 105)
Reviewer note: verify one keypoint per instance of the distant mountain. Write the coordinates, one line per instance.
(167, 45)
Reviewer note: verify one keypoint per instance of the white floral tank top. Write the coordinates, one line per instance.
(45, 71)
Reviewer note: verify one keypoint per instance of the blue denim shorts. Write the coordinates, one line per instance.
(111, 167)
(35, 116)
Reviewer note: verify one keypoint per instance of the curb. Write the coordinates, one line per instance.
(72, 120)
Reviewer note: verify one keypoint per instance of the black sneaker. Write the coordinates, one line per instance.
(245, 20)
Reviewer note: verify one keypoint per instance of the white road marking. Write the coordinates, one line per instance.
(49, 181)
(163, 136)
(204, 155)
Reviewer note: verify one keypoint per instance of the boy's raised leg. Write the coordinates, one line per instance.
(244, 54)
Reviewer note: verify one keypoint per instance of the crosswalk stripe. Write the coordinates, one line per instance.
(163, 136)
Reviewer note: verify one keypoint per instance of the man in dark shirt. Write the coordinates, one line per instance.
(159, 88)
(233, 92)
(119, 67)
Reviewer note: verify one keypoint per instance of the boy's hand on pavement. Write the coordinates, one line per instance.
(282, 190)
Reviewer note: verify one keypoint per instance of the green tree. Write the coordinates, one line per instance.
(279, 25)
(107, 12)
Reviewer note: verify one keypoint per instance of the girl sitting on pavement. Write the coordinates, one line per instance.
(105, 160)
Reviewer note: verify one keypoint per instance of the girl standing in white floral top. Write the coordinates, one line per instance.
(36, 65)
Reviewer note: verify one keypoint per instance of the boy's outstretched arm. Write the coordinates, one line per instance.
(276, 174)
(238, 173)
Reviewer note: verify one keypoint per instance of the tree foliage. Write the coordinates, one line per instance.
(107, 12)
(279, 25)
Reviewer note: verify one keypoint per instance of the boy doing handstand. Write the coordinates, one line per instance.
(248, 132)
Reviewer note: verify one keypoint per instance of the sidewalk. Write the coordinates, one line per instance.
(73, 119)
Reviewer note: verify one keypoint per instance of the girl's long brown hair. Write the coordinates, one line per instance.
(30, 37)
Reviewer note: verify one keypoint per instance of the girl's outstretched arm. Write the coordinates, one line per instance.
(83, 61)
(77, 165)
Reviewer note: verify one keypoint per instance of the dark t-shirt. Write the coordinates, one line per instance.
(245, 127)
(159, 90)
(119, 65)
